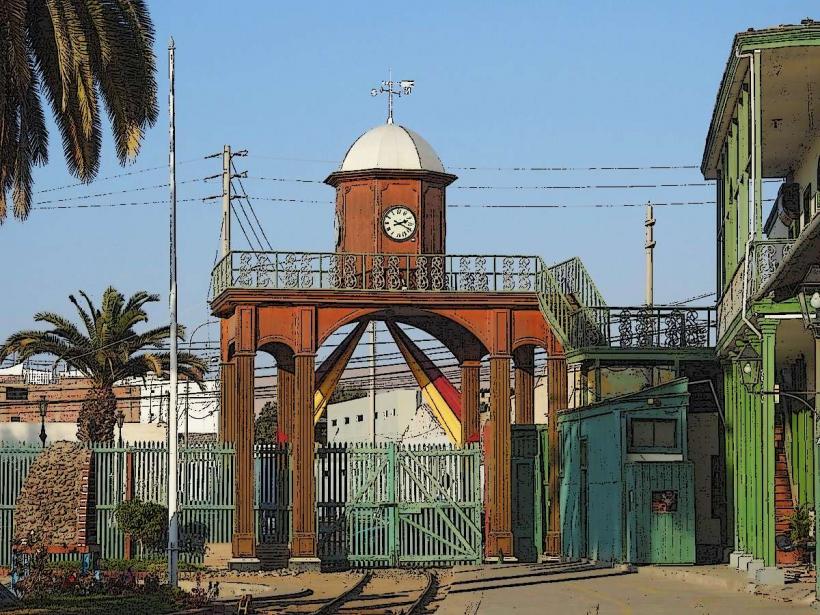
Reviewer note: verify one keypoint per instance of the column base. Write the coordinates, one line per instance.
(769, 575)
(733, 557)
(553, 543)
(743, 562)
(505, 560)
(753, 567)
(244, 564)
(305, 564)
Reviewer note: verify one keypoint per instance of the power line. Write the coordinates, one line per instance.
(91, 196)
(125, 174)
(102, 205)
(247, 198)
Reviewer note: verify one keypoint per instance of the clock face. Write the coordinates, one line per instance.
(399, 223)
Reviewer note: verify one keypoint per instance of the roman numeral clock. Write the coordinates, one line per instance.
(390, 195)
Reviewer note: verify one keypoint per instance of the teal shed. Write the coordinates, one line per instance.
(627, 486)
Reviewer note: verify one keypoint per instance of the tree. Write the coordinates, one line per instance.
(73, 52)
(108, 351)
(147, 522)
(267, 424)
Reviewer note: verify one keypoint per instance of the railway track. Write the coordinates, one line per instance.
(375, 593)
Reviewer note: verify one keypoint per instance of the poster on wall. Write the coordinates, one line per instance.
(664, 501)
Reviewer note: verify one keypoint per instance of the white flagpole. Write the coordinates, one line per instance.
(173, 441)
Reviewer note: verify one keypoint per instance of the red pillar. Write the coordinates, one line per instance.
(303, 542)
(557, 402)
(244, 540)
(285, 383)
(499, 540)
(470, 399)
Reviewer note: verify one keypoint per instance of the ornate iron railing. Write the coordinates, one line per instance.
(393, 272)
(765, 257)
(644, 327)
(574, 279)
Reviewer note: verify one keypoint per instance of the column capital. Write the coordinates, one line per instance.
(769, 325)
(470, 363)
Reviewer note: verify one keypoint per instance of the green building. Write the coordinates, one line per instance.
(763, 151)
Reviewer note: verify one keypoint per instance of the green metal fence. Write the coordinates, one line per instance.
(15, 460)
(376, 506)
(139, 471)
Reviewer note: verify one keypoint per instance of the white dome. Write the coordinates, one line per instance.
(390, 146)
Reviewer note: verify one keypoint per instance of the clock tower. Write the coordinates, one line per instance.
(390, 195)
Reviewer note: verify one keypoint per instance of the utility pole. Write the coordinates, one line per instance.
(173, 521)
(373, 378)
(649, 246)
(225, 245)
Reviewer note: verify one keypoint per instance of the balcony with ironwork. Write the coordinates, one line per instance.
(644, 328)
(765, 257)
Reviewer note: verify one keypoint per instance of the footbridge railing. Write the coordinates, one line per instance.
(422, 273)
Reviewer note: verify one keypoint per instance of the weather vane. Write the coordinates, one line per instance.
(405, 87)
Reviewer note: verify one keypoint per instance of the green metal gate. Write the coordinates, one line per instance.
(660, 522)
(413, 505)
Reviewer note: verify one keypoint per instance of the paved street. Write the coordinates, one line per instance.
(584, 590)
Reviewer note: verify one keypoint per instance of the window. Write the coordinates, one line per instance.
(360, 418)
(15, 419)
(16, 394)
(653, 433)
(806, 205)
(347, 420)
(333, 423)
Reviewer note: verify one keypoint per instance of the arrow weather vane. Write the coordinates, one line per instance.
(405, 87)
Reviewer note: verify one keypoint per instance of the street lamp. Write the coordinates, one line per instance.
(43, 410)
(751, 364)
(809, 298)
(120, 421)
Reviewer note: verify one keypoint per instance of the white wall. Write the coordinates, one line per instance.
(202, 404)
(30, 432)
(352, 421)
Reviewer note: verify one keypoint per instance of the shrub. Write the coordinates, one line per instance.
(147, 522)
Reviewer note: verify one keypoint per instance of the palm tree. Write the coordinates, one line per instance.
(73, 52)
(108, 351)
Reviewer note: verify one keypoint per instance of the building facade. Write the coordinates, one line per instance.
(763, 151)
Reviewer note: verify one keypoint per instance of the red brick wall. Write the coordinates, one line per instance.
(65, 398)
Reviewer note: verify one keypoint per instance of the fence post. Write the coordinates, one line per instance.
(392, 534)
(129, 495)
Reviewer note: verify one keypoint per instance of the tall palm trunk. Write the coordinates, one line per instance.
(97, 417)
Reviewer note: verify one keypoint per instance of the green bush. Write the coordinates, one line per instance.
(147, 522)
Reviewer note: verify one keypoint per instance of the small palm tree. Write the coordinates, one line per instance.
(109, 351)
(77, 54)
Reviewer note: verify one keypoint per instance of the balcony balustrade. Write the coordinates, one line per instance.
(765, 257)
(655, 327)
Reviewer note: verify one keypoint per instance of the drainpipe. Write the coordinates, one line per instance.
(753, 137)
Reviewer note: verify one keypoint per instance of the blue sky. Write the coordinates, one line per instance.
(497, 85)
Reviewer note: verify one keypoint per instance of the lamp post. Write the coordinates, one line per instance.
(809, 298)
(120, 421)
(43, 409)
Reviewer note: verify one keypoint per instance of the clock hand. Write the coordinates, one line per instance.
(404, 224)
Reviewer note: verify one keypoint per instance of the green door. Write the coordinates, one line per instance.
(527, 493)
(660, 522)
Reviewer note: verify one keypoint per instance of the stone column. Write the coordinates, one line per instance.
(303, 538)
(470, 399)
(557, 401)
(524, 385)
(499, 540)
(244, 540)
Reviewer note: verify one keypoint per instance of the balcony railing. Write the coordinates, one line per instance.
(765, 257)
(656, 327)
